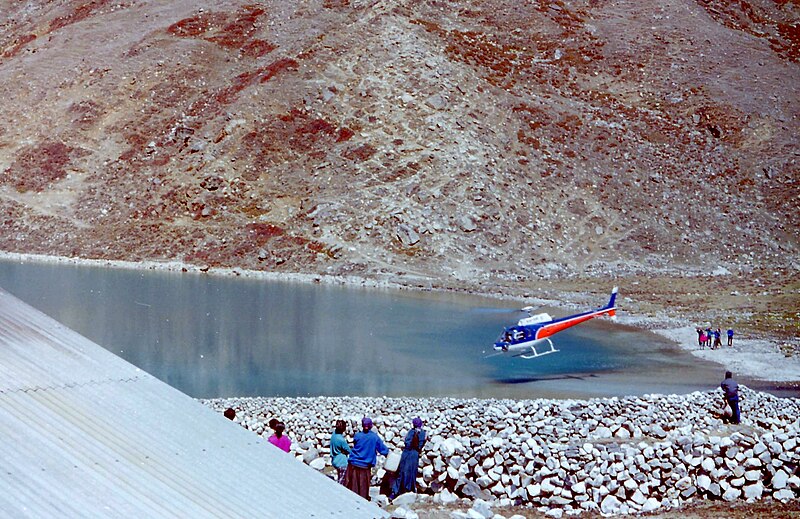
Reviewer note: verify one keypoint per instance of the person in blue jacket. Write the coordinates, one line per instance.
(366, 445)
(409, 461)
(339, 450)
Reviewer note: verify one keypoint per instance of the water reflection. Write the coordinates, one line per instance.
(214, 337)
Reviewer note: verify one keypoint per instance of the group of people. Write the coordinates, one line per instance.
(712, 338)
(354, 464)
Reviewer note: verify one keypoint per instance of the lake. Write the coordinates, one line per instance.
(217, 336)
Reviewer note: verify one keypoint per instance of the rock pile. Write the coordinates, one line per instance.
(615, 455)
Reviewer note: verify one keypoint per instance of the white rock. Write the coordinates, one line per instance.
(318, 463)
(446, 497)
(780, 480)
(406, 500)
(708, 464)
(752, 475)
(534, 490)
(603, 432)
(753, 491)
(703, 482)
(483, 507)
(651, 504)
(404, 513)
(555, 512)
(498, 489)
(547, 486)
(732, 494)
(610, 505)
(783, 495)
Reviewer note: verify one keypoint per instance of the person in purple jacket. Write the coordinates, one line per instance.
(366, 445)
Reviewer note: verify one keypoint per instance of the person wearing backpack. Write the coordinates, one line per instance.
(409, 461)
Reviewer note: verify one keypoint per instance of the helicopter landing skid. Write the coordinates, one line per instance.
(535, 353)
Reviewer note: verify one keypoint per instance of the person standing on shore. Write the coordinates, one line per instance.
(366, 444)
(730, 337)
(700, 339)
(339, 450)
(717, 339)
(730, 389)
(409, 461)
(279, 439)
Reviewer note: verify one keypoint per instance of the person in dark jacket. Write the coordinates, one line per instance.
(409, 461)
(366, 444)
(731, 391)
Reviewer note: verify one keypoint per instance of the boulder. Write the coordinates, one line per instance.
(753, 491)
(405, 500)
(780, 480)
(732, 494)
(651, 504)
(404, 513)
(483, 507)
(610, 505)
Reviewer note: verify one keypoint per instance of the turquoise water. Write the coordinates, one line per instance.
(215, 336)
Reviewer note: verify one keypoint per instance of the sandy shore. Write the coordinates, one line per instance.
(754, 358)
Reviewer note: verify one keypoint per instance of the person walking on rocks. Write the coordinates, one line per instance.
(366, 444)
(731, 391)
(730, 337)
(279, 439)
(339, 450)
(409, 461)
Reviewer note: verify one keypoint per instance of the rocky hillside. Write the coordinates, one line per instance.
(444, 143)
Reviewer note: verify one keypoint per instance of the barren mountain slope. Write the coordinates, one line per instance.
(458, 144)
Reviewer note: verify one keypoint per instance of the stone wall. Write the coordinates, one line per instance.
(615, 455)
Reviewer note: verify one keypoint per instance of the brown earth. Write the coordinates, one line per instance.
(540, 148)
(551, 148)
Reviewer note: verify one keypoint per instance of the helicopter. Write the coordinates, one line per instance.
(530, 338)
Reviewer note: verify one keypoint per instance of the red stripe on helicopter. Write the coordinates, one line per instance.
(552, 329)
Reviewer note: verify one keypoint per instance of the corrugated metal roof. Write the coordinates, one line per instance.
(85, 433)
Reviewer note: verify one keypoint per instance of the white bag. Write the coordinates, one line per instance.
(392, 462)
